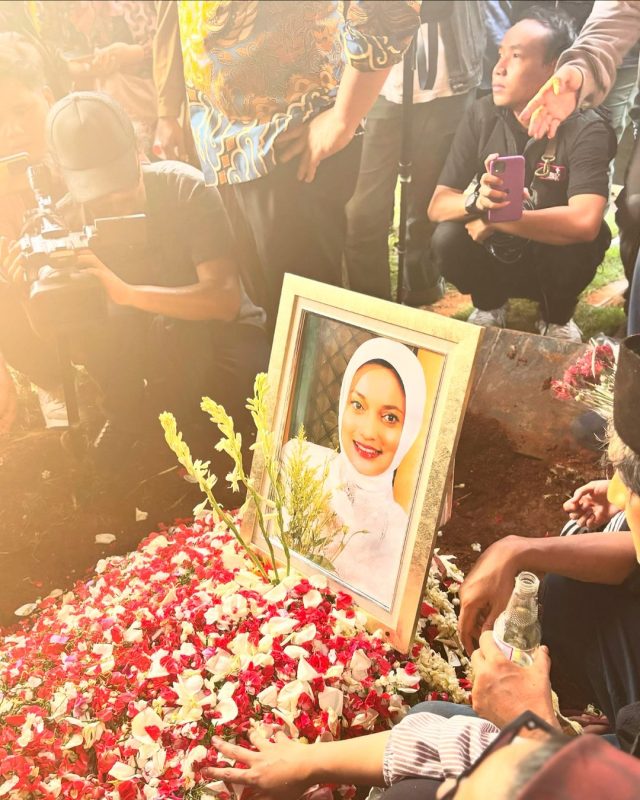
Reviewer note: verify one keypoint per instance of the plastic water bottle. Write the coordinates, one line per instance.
(517, 629)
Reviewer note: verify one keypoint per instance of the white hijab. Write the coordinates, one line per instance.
(411, 374)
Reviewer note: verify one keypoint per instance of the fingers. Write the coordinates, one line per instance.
(469, 626)
(489, 649)
(307, 167)
(488, 160)
(542, 660)
(233, 751)
(230, 775)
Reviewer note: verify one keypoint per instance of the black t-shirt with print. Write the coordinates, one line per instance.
(585, 146)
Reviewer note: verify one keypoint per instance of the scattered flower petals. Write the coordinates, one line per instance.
(105, 538)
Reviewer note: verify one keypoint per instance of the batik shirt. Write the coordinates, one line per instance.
(253, 69)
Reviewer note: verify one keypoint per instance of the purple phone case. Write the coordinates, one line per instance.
(513, 182)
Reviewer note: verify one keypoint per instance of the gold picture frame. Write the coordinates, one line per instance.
(320, 332)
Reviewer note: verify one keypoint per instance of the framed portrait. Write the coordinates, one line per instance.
(380, 391)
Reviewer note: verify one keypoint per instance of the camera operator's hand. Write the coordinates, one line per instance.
(8, 399)
(479, 230)
(12, 262)
(117, 290)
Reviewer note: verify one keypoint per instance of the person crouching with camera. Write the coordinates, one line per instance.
(178, 323)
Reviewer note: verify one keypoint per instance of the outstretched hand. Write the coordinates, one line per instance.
(589, 506)
(276, 771)
(554, 102)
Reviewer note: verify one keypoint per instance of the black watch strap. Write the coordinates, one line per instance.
(470, 203)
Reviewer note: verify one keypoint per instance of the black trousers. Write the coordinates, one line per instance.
(21, 347)
(552, 275)
(283, 225)
(369, 211)
(145, 364)
(593, 635)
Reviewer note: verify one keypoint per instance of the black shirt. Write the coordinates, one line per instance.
(188, 225)
(586, 144)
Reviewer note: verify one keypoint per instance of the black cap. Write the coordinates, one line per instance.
(93, 144)
(626, 393)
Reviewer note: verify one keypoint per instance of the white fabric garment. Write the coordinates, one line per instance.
(365, 505)
(392, 88)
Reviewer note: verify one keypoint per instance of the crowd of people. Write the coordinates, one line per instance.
(259, 138)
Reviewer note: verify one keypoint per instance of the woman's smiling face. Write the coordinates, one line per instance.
(372, 419)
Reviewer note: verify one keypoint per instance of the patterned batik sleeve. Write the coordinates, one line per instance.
(377, 32)
(426, 745)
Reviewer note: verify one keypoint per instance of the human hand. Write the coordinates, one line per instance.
(12, 262)
(117, 290)
(8, 400)
(277, 771)
(589, 505)
(490, 193)
(502, 690)
(168, 142)
(553, 103)
(486, 590)
(115, 57)
(479, 230)
(324, 136)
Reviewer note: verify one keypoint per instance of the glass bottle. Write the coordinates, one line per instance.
(517, 629)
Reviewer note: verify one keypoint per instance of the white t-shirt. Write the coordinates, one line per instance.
(392, 88)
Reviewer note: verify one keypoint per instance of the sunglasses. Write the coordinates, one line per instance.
(528, 721)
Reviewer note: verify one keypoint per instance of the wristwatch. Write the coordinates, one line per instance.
(470, 203)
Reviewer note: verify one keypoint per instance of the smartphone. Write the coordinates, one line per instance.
(511, 170)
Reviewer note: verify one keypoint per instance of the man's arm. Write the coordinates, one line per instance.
(591, 557)
(579, 221)
(284, 769)
(586, 71)
(446, 205)
(376, 33)
(216, 295)
(168, 77)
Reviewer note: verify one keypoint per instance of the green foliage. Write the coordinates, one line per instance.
(312, 528)
(297, 511)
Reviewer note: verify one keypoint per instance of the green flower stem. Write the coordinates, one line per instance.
(258, 500)
(222, 514)
(279, 505)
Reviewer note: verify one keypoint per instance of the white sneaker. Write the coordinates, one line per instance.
(496, 318)
(570, 332)
(53, 408)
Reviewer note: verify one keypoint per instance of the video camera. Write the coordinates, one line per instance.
(62, 296)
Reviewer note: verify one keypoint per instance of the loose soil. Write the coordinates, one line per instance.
(498, 492)
(52, 505)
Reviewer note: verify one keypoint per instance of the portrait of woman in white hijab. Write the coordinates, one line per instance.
(381, 409)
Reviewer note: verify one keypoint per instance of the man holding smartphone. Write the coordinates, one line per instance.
(549, 252)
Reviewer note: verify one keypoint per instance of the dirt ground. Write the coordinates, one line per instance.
(53, 506)
(499, 492)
